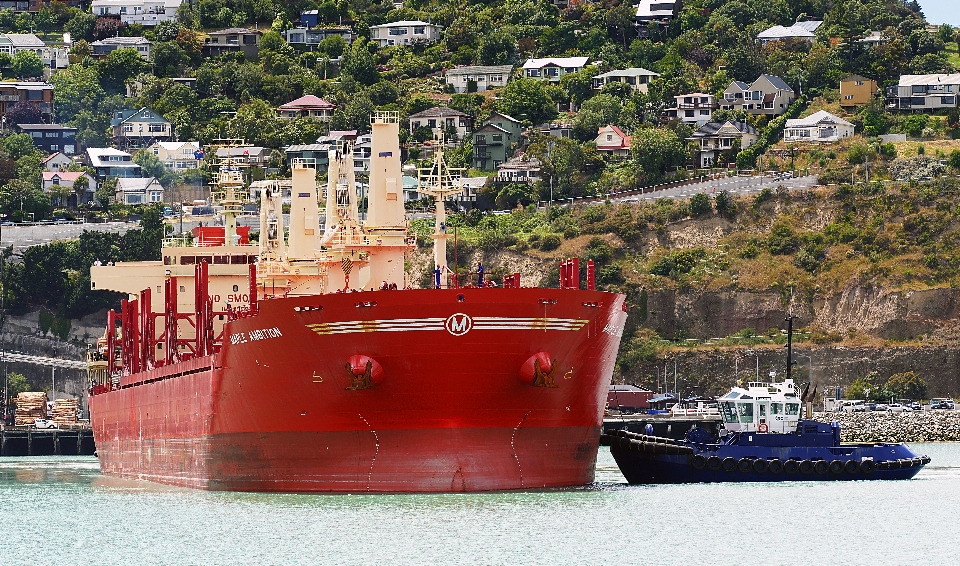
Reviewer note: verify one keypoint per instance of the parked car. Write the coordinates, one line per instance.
(880, 407)
(916, 406)
(43, 423)
(941, 403)
(898, 408)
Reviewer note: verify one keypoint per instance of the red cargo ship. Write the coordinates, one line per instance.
(301, 378)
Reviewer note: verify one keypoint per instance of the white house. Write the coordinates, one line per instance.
(111, 162)
(552, 68)
(694, 109)
(716, 138)
(67, 179)
(820, 126)
(56, 161)
(484, 76)
(921, 92)
(178, 155)
(143, 12)
(134, 190)
(405, 33)
(659, 11)
(637, 78)
(520, 169)
(800, 30)
(612, 141)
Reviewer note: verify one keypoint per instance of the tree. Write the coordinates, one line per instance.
(107, 27)
(599, 111)
(80, 26)
(105, 192)
(496, 48)
(76, 88)
(17, 146)
(655, 151)
(954, 160)
(700, 204)
(907, 385)
(58, 193)
(16, 384)
(24, 112)
(723, 203)
(169, 59)
(360, 64)
(527, 99)
(120, 66)
(80, 187)
(26, 64)
(150, 164)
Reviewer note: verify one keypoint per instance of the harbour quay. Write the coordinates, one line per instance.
(887, 426)
(29, 441)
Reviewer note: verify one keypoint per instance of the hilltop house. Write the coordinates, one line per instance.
(856, 91)
(139, 128)
(178, 156)
(56, 161)
(254, 155)
(716, 138)
(636, 77)
(521, 169)
(232, 40)
(922, 92)
(143, 12)
(307, 106)
(52, 57)
(695, 109)
(552, 68)
(820, 126)
(768, 95)
(612, 141)
(110, 162)
(12, 92)
(405, 33)
(656, 11)
(310, 38)
(493, 141)
(135, 190)
(439, 118)
(482, 77)
(51, 137)
(67, 179)
(805, 31)
(103, 47)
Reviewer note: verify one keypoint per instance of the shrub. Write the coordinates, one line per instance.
(700, 205)
(782, 240)
(570, 232)
(549, 242)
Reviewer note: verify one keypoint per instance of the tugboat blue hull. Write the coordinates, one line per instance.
(758, 458)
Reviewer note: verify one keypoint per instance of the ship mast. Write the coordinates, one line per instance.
(440, 181)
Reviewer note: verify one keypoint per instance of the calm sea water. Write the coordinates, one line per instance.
(61, 511)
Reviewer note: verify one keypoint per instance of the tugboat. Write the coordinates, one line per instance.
(762, 439)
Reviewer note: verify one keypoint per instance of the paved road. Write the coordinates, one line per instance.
(733, 185)
(25, 236)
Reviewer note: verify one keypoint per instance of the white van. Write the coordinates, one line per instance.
(856, 406)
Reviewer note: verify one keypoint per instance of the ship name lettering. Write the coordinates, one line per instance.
(238, 338)
(264, 334)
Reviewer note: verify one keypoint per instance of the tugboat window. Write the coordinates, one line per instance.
(729, 412)
(793, 408)
(776, 408)
(763, 410)
(745, 410)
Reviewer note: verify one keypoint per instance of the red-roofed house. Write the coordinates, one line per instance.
(67, 179)
(613, 141)
(56, 161)
(307, 106)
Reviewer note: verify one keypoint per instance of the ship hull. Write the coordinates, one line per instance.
(448, 405)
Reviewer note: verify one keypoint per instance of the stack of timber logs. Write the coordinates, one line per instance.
(65, 411)
(30, 406)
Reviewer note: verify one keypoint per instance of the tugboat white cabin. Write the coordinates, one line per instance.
(761, 407)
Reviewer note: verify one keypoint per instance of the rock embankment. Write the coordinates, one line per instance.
(883, 426)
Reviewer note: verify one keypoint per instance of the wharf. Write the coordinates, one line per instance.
(29, 441)
(667, 426)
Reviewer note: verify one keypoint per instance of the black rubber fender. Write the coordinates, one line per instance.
(917, 462)
(791, 467)
(714, 464)
(745, 464)
(760, 465)
(852, 467)
(607, 440)
(698, 461)
(867, 467)
(836, 467)
(806, 467)
(822, 467)
(729, 464)
(774, 466)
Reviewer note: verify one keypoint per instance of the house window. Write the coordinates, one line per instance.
(158, 127)
(858, 83)
(156, 196)
(419, 30)
(609, 137)
(533, 72)
(398, 31)
(54, 147)
(950, 100)
(497, 137)
(128, 127)
(704, 112)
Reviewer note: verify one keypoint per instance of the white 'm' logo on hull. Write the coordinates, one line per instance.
(458, 324)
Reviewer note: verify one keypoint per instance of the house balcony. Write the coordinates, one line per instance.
(697, 106)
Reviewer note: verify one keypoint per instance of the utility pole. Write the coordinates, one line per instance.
(553, 172)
